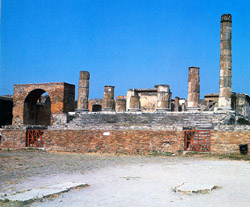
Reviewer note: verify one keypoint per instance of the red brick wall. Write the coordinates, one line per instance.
(225, 142)
(62, 97)
(13, 139)
(124, 141)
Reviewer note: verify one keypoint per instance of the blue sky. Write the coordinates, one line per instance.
(125, 43)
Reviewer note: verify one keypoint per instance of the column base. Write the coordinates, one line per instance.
(134, 110)
(82, 110)
(193, 109)
(223, 109)
(107, 109)
(162, 109)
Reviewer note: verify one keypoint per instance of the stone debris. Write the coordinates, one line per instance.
(43, 191)
(190, 188)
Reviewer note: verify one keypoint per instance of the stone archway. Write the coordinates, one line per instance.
(37, 108)
(26, 99)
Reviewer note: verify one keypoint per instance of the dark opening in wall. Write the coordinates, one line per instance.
(6, 105)
(96, 107)
(243, 148)
(37, 108)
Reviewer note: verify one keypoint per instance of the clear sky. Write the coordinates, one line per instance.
(125, 43)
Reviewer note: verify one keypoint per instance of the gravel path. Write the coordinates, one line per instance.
(125, 180)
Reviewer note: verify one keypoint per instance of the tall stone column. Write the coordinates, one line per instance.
(193, 88)
(108, 102)
(225, 62)
(163, 98)
(83, 91)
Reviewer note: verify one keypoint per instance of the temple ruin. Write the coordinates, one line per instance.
(140, 122)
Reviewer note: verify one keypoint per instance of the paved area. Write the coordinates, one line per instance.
(126, 181)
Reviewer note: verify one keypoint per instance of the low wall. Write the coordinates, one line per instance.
(13, 139)
(226, 142)
(124, 141)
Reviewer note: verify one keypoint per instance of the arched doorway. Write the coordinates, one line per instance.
(37, 108)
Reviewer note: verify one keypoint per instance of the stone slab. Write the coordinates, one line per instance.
(189, 188)
(43, 191)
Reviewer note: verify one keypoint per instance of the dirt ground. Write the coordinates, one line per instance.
(125, 180)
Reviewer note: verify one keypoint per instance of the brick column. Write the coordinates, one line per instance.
(225, 62)
(193, 88)
(83, 91)
(108, 103)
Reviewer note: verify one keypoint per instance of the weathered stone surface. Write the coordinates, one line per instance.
(108, 102)
(83, 91)
(134, 104)
(193, 87)
(190, 188)
(225, 62)
(163, 98)
(120, 105)
(43, 191)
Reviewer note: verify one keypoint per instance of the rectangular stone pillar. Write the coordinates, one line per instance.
(193, 88)
(225, 62)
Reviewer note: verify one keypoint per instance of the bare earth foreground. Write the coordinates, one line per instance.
(124, 180)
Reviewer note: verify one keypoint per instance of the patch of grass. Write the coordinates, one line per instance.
(234, 156)
(155, 153)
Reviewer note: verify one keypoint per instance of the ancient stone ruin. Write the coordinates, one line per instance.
(141, 122)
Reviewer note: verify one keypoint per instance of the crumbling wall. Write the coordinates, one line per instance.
(243, 105)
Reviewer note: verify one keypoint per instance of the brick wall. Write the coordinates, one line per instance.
(124, 141)
(116, 141)
(225, 142)
(13, 139)
(62, 97)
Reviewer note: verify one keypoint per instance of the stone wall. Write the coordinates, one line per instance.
(148, 121)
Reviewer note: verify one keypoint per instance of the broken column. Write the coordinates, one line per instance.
(133, 100)
(163, 98)
(193, 88)
(83, 91)
(108, 99)
(225, 62)
(176, 103)
(120, 105)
